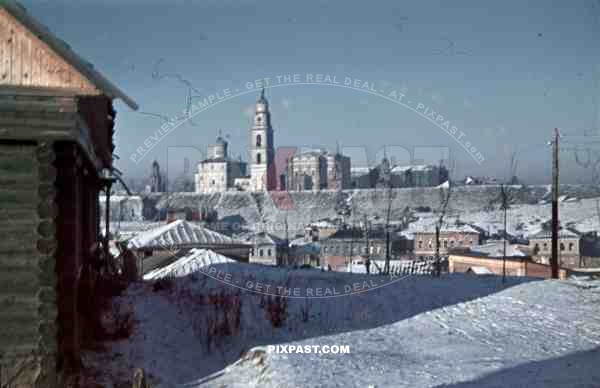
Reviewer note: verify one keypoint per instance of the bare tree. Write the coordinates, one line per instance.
(367, 253)
(504, 207)
(514, 162)
(386, 267)
(506, 197)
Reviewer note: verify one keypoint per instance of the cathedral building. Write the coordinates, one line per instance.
(261, 148)
(318, 170)
(313, 170)
(218, 172)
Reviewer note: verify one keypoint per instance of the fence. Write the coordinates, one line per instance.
(400, 268)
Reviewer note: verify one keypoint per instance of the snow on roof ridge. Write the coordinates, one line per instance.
(192, 262)
(172, 235)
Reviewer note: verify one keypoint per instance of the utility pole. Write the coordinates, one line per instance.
(504, 208)
(352, 243)
(554, 259)
(367, 255)
(286, 253)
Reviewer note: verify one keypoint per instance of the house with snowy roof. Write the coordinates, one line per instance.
(164, 243)
(569, 242)
(320, 229)
(452, 237)
(302, 252)
(266, 248)
(490, 259)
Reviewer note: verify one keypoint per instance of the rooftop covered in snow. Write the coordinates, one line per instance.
(496, 249)
(180, 234)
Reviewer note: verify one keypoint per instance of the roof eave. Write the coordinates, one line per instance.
(63, 49)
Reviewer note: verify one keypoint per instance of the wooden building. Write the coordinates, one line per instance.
(56, 146)
(166, 243)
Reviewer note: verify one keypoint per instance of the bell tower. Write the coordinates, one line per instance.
(261, 146)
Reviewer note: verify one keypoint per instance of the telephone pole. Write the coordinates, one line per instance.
(504, 208)
(554, 259)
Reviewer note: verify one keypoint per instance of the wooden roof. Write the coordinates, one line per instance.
(31, 56)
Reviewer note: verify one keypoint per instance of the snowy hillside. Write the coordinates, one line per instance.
(416, 331)
(541, 334)
(522, 219)
(311, 206)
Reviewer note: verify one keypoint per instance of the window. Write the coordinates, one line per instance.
(545, 246)
(258, 138)
(269, 252)
(258, 158)
(571, 246)
(562, 246)
(212, 182)
(445, 243)
(420, 244)
(261, 253)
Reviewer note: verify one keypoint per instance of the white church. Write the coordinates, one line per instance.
(218, 172)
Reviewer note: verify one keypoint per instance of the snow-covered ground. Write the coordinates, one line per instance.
(523, 219)
(311, 206)
(454, 331)
(543, 334)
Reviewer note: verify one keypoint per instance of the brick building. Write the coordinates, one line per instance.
(568, 247)
(515, 265)
(451, 237)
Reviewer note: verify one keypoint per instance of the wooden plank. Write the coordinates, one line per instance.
(15, 57)
(50, 105)
(33, 63)
(26, 62)
(4, 61)
(67, 121)
(18, 281)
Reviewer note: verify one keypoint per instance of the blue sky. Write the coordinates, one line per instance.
(505, 73)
